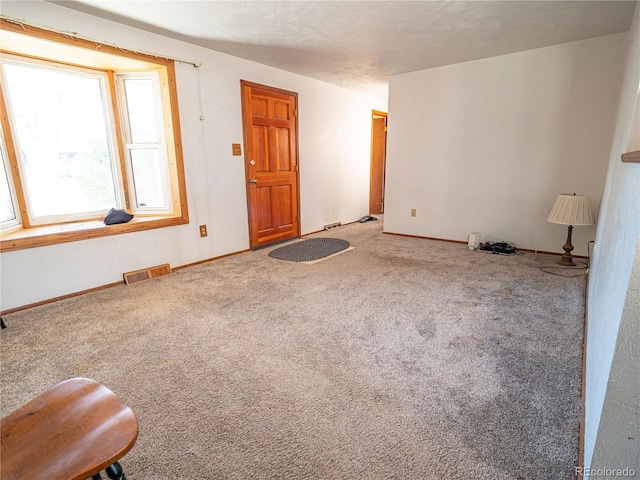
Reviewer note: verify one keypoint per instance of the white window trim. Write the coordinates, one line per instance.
(16, 223)
(161, 146)
(40, 220)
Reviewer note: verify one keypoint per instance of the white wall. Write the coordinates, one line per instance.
(334, 140)
(613, 290)
(618, 442)
(488, 145)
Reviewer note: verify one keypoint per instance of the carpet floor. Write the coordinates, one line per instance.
(402, 358)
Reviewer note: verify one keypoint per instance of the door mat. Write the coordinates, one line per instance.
(310, 250)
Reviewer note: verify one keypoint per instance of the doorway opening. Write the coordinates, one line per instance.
(378, 162)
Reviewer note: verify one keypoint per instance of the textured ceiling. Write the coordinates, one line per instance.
(358, 44)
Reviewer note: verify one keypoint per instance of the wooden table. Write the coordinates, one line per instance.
(70, 432)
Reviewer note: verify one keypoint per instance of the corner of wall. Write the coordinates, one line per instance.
(617, 444)
(611, 286)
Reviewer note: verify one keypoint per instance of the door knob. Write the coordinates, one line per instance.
(252, 162)
(254, 180)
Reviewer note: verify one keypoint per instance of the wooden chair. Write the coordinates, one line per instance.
(72, 431)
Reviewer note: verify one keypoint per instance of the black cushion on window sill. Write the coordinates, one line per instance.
(117, 216)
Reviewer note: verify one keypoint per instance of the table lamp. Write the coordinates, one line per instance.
(572, 210)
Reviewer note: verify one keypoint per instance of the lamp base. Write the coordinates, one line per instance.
(567, 258)
(567, 263)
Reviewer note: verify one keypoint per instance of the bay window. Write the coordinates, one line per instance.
(78, 139)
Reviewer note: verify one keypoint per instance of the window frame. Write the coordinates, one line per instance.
(6, 167)
(129, 145)
(28, 235)
(110, 139)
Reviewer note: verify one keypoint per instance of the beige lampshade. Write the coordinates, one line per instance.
(572, 209)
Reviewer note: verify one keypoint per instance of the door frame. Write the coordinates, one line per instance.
(246, 83)
(377, 114)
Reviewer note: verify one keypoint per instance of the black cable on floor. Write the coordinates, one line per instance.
(583, 270)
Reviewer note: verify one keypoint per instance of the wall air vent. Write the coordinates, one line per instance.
(146, 274)
(331, 226)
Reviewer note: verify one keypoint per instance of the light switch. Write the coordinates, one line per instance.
(237, 150)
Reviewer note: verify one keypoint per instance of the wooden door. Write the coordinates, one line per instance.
(378, 159)
(271, 156)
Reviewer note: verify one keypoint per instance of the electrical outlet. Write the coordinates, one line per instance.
(203, 230)
(237, 150)
(413, 212)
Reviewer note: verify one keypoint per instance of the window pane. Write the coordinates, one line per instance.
(63, 140)
(7, 212)
(141, 109)
(147, 177)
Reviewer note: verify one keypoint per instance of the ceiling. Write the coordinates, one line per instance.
(359, 44)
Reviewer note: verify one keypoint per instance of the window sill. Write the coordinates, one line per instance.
(631, 157)
(73, 232)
